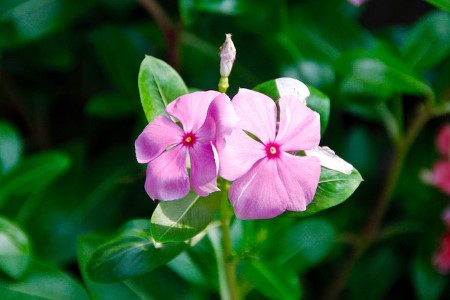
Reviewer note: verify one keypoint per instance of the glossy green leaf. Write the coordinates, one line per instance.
(43, 282)
(24, 21)
(317, 100)
(111, 105)
(35, 173)
(378, 74)
(271, 280)
(15, 249)
(131, 253)
(303, 244)
(429, 285)
(334, 188)
(159, 84)
(428, 42)
(10, 147)
(442, 4)
(177, 221)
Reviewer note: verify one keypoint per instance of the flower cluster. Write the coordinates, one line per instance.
(439, 176)
(270, 152)
(442, 257)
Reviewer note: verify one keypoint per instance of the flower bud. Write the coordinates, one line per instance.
(227, 56)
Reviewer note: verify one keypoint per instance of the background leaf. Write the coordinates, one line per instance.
(442, 4)
(15, 249)
(35, 173)
(10, 147)
(428, 42)
(43, 282)
(177, 221)
(159, 84)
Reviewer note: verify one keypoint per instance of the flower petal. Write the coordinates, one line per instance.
(257, 113)
(299, 127)
(156, 137)
(300, 176)
(330, 160)
(441, 176)
(443, 141)
(167, 176)
(191, 109)
(204, 167)
(259, 194)
(291, 86)
(239, 155)
(225, 118)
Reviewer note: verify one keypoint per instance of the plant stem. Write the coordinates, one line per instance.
(372, 227)
(230, 263)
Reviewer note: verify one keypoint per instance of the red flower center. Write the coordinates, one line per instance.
(189, 139)
(272, 150)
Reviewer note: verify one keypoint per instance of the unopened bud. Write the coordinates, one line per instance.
(227, 56)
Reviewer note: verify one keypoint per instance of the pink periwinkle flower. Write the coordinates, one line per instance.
(440, 176)
(443, 141)
(442, 257)
(259, 156)
(206, 118)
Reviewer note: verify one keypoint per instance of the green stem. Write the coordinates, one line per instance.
(372, 228)
(223, 84)
(230, 264)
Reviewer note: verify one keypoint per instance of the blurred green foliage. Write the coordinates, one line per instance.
(70, 111)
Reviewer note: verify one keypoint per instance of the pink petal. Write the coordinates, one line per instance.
(441, 176)
(257, 114)
(443, 141)
(191, 109)
(222, 112)
(167, 176)
(300, 176)
(204, 167)
(239, 155)
(299, 127)
(156, 137)
(259, 194)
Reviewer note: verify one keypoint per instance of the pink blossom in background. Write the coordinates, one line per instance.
(268, 178)
(443, 141)
(446, 217)
(440, 176)
(357, 2)
(206, 118)
(442, 257)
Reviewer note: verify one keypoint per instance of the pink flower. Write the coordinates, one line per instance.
(258, 157)
(442, 258)
(446, 217)
(443, 141)
(206, 118)
(440, 176)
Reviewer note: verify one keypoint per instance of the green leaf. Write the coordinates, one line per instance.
(159, 84)
(25, 21)
(379, 74)
(317, 100)
(334, 188)
(131, 253)
(303, 244)
(15, 249)
(428, 42)
(271, 280)
(35, 173)
(111, 105)
(43, 282)
(429, 285)
(177, 221)
(10, 147)
(442, 4)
